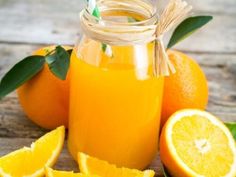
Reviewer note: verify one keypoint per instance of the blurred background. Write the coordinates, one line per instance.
(26, 25)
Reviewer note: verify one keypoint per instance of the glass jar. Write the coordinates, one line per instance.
(115, 101)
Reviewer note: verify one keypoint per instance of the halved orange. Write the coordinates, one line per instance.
(30, 162)
(55, 173)
(195, 143)
(93, 166)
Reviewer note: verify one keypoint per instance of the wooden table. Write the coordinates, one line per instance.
(26, 25)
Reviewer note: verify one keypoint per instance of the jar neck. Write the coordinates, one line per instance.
(115, 26)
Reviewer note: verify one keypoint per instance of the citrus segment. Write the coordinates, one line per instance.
(31, 161)
(90, 165)
(54, 173)
(195, 143)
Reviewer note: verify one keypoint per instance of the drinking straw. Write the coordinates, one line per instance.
(93, 10)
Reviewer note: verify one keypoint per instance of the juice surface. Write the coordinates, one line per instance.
(115, 104)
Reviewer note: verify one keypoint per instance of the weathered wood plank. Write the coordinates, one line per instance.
(209, 6)
(213, 59)
(65, 161)
(50, 22)
(12, 53)
(218, 36)
(13, 122)
(219, 68)
(39, 21)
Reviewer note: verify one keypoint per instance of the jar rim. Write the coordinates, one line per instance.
(114, 32)
(148, 20)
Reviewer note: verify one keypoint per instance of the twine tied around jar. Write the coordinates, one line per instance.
(137, 33)
(174, 13)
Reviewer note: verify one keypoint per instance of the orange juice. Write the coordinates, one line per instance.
(115, 104)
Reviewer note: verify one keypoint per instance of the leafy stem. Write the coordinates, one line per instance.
(187, 27)
(58, 61)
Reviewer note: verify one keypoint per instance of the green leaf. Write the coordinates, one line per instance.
(20, 73)
(132, 19)
(165, 172)
(187, 27)
(232, 128)
(59, 62)
(96, 12)
(70, 51)
(104, 47)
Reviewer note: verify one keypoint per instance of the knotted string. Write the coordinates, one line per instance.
(174, 13)
(138, 33)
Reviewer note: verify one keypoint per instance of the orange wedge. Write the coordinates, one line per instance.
(195, 143)
(30, 162)
(93, 166)
(54, 173)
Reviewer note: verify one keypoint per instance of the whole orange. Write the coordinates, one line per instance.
(187, 88)
(45, 98)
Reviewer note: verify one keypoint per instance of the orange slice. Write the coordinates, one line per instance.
(30, 162)
(90, 165)
(54, 173)
(194, 143)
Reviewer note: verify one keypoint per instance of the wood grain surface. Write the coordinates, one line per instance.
(29, 24)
